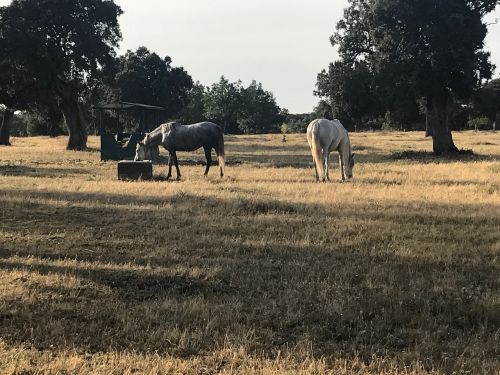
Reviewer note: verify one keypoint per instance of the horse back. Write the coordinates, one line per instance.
(192, 137)
(329, 133)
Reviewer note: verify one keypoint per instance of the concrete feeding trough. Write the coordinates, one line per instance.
(135, 170)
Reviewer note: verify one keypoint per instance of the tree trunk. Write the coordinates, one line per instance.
(437, 125)
(71, 111)
(428, 129)
(52, 129)
(52, 124)
(8, 114)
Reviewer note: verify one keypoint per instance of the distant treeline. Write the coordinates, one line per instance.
(404, 72)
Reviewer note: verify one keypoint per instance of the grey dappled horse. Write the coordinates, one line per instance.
(177, 137)
(325, 136)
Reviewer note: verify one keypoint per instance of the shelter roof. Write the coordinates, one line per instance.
(127, 105)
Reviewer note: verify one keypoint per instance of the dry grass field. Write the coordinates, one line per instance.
(263, 271)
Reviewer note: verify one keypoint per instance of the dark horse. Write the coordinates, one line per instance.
(176, 137)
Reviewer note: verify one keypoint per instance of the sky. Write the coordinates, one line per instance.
(283, 44)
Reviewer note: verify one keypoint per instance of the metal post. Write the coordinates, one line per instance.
(117, 121)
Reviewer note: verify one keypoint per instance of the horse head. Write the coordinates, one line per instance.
(140, 151)
(145, 151)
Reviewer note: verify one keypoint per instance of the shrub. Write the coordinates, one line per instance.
(479, 123)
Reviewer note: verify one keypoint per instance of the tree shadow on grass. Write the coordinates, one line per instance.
(465, 156)
(265, 148)
(274, 161)
(360, 297)
(257, 160)
(247, 139)
(129, 284)
(30, 171)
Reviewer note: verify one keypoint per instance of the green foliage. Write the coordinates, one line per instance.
(297, 123)
(239, 109)
(480, 123)
(434, 46)
(350, 90)
(259, 112)
(18, 126)
(57, 44)
(144, 77)
(394, 52)
(323, 110)
(486, 100)
(388, 123)
(17, 83)
(222, 102)
(72, 38)
(194, 110)
(60, 56)
(30, 124)
(35, 124)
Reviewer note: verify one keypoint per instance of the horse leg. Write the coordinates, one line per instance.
(220, 157)
(341, 162)
(208, 156)
(324, 159)
(315, 170)
(170, 161)
(176, 162)
(327, 162)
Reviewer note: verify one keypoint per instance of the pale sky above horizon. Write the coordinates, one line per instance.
(283, 44)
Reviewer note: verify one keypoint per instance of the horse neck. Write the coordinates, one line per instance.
(155, 137)
(345, 148)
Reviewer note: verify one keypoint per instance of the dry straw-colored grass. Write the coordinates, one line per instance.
(263, 271)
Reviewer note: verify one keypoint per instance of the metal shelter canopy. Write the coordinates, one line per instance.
(128, 106)
(113, 146)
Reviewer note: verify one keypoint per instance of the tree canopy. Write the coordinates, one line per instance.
(143, 76)
(222, 103)
(242, 109)
(194, 110)
(350, 90)
(259, 112)
(412, 50)
(486, 101)
(57, 44)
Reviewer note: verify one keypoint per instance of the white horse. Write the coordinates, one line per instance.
(325, 136)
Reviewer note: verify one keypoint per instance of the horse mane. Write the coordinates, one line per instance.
(154, 137)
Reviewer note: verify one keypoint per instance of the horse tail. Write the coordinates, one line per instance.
(317, 150)
(220, 153)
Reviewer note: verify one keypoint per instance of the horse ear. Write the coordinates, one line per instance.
(352, 155)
